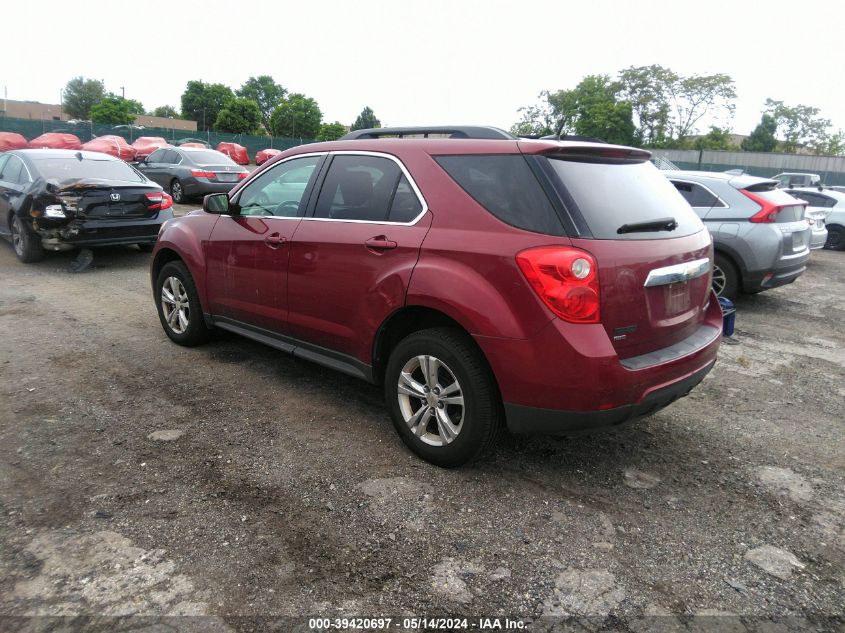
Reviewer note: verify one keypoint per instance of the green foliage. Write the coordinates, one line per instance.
(366, 120)
(331, 131)
(202, 102)
(762, 137)
(80, 95)
(135, 107)
(592, 108)
(166, 111)
(239, 116)
(648, 90)
(716, 138)
(297, 116)
(799, 126)
(113, 109)
(266, 93)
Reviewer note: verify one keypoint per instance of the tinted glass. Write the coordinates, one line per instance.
(814, 199)
(610, 195)
(696, 195)
(406, 206)
(358, 188)
(156, 157)
(3, 159)
(13, 171)
(209, 157)
(507, 188)
(67, 168)
(280, 190)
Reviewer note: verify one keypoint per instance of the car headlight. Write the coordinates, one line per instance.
(54, 211)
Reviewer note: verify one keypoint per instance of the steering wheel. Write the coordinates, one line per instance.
(288, 208)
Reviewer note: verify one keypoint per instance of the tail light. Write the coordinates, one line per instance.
(198, 173)
(159, 201)
(566, 279)
(769, 212)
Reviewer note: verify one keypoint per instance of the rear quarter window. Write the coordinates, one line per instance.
(506, 186)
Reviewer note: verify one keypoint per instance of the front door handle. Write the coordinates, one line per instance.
(380, 243)
(274, 240)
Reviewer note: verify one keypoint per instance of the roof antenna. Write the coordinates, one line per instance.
(559, 129)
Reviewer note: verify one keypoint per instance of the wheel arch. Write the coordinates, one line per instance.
(406, 321)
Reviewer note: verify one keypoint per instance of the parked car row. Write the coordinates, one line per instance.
(117, 146)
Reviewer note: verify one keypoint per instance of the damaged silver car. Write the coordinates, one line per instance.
(54, 200)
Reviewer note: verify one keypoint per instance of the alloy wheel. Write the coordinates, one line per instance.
(17, 235)
(175, 305)
(719, 280)
(176, 191)
(431, 400)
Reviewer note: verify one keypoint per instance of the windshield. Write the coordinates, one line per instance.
(71, 167)
(611, 195)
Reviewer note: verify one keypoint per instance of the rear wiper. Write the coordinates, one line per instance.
(661, 224)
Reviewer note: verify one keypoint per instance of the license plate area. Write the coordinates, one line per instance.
(676, 298)
(224, 177)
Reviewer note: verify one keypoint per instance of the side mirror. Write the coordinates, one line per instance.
(217, 203)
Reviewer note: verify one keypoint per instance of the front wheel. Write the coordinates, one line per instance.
(442, 397)
(835, 238)
(25, 241)
(178, 304)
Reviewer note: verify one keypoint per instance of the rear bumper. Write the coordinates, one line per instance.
(818, 239)
(105, 232)
(535, 421)
(782, 276)
(569, 376)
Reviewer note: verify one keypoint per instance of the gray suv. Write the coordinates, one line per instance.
(760, 237)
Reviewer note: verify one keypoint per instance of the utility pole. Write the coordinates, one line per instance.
(122, 92)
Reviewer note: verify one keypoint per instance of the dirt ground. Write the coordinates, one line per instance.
(140, 481)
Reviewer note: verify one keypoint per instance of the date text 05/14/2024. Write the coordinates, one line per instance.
(413, 623)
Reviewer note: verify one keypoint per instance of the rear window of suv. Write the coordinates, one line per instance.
(609, 195)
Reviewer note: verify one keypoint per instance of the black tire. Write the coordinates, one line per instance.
(196, 332)
(25, 241)
(835, 238)
(729, 277)
(177, 191)
(481, 414)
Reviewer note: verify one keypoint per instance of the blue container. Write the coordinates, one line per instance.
(728, 316)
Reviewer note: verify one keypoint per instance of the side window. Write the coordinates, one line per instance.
(507, 188)
(170, 157)
(358, 188)
(279, 191)
(156, 157)
(3, 159)
(696, 195)
(406, 206)
(14, 172)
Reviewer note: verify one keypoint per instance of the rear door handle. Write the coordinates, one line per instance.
(274, 240)
(380, 243)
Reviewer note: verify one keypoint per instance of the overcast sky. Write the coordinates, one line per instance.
(421, 62)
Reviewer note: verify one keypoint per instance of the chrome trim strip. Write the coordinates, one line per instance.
(677, 273)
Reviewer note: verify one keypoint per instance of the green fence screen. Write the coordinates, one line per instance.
(31, 128)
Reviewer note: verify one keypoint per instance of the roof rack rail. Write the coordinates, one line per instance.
(454, 131)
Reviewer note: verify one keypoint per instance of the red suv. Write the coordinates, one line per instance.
(486, 281)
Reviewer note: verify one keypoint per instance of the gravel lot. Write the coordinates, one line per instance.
(233, 482)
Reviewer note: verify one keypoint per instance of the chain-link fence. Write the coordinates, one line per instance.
(86, 130)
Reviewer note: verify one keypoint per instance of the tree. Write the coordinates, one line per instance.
(166, 111)
(366, 120)
(135, 107)
(80, 94)
(696, 96)
(716, 138)
(202, 102)
(799, 126)
(297, 116)
(112, 109)
(266, 93)
(239, 116)
(592, 108)
(646, 88)
(331, 131)
(762, 137)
